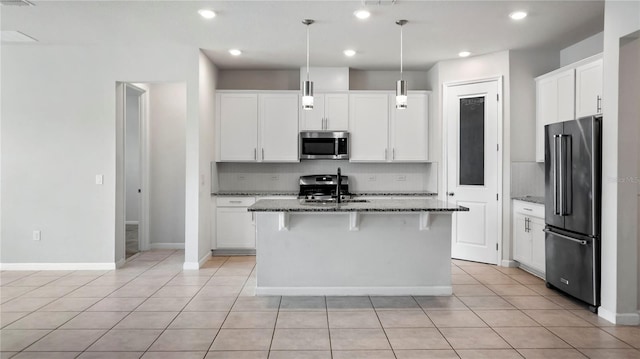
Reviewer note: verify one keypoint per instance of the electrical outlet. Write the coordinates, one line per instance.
(36, 235)
(401, 178)
(372, 178)
(274, 177)
(99, 179)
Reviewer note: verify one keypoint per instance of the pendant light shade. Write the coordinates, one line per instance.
(401, 85)
(307, 86)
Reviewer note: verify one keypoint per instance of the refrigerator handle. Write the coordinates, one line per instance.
(554, 166)
(561, 175)
(579, 241)
(566, 183)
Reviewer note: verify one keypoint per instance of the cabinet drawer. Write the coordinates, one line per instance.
(528, 208)
(235, 201)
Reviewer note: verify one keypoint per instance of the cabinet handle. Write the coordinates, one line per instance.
(263, 154)
(598, 104)
(255, 154)
(393, 154)
(235, 201)
(527, 209)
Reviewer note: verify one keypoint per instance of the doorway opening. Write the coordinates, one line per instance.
(133, 165)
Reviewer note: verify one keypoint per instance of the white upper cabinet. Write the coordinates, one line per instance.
(568, 93)
(330, 113)
(589, 89)
(238, 116)
(278, 127)
(369, 127)
(381, 133)
(409, 129)
(258, 127)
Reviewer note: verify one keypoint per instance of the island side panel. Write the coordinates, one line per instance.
(388, 255)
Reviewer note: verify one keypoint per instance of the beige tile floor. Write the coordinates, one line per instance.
(151, 308)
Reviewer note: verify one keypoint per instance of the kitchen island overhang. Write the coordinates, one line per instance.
(376, 247)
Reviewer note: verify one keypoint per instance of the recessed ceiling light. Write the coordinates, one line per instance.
(362, 14)
(464, 53)
(207, 13)
(235, 52)
(349, 52)
(518, 15)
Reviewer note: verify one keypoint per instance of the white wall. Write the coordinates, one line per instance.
(58, 131)
(167, 120)
(132, 156)
(619, 203)
(583, 49)
(363, 177)
(207, 79)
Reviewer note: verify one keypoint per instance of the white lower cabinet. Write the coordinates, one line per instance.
(528, 236)
(235, 226)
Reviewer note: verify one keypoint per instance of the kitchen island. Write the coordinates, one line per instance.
(359, 247)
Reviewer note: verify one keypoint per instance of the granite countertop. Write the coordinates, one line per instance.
(532, 199)
(373, 205)
(255, 193)
(275, 193)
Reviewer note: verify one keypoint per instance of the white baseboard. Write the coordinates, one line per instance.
(509, 263)
(130, 222)
(57, 266)
(197, 265)
(435, 290)
(619, 318)
(167, 245)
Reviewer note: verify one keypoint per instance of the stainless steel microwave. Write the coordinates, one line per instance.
(324, 145)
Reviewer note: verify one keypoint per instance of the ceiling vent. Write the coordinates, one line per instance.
(15, 3)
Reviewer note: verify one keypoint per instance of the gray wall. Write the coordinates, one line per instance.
(167, 117)
(258, 79)
(52, 151)
(583, 49)
(386, 80)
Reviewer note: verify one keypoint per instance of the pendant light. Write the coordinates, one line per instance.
(307, 86)
(401, 85)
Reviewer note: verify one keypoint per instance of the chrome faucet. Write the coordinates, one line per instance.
(338, 186)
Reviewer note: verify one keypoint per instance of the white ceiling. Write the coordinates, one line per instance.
(271, 35)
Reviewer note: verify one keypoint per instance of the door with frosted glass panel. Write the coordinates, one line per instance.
(471, 114)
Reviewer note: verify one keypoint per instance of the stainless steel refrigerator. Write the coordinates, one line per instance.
(573, 158)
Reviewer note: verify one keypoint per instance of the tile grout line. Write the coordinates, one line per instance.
(393, 351)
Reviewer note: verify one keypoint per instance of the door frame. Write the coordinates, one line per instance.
(499, 152)
(120, 193)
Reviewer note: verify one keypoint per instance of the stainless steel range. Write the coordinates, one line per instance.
(324, 188)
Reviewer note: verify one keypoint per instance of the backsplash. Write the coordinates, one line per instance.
(363, 177)
(527, 179)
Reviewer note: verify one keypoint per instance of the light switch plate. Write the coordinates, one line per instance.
(37, 235)
(99, 179)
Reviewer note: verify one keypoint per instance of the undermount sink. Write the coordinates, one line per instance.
(331, 202)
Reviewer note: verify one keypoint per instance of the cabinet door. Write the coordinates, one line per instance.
(336, 111)
(238, 127)
(278, 127)
(235, 228)
(589, 89)
(313, 120)
(566, 96)
(409, 137)
(369, 122)
(537, 243)
(522, 240)
(555, 98)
